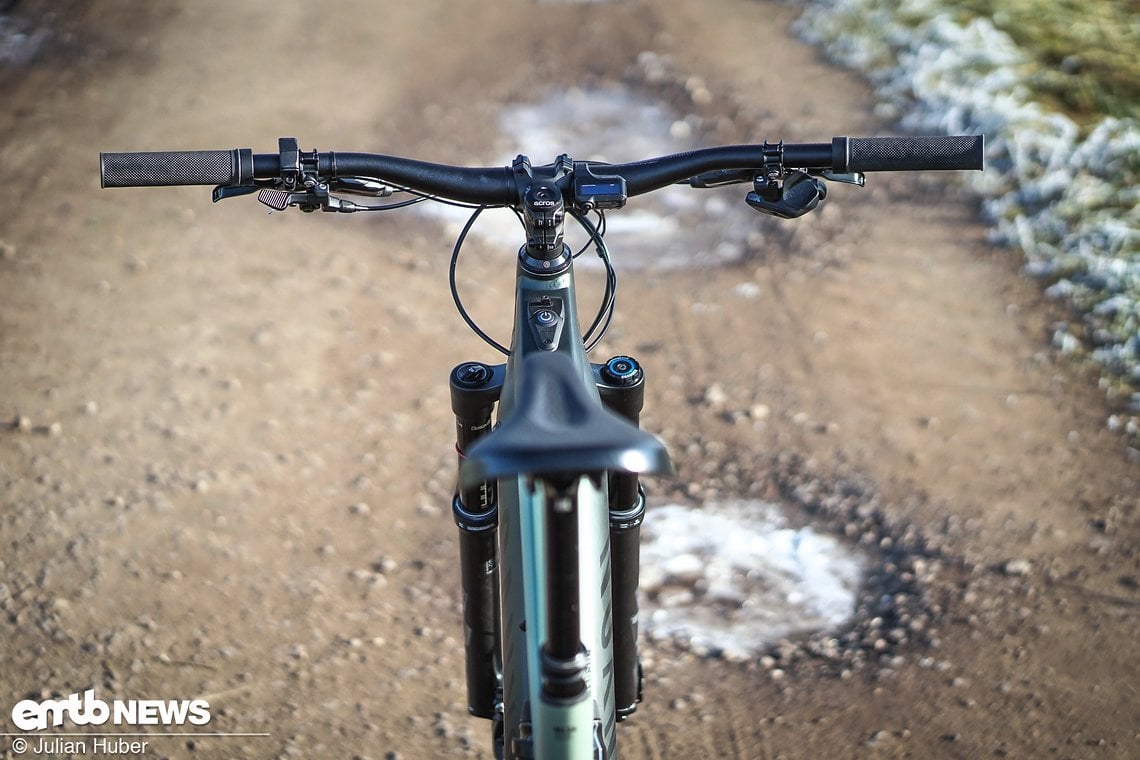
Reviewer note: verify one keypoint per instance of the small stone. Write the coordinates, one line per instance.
(879, 737)
(701, 96)
(1017, 567)
(747, 290)
(715, 395)
(759, 412)
(359, 508)
(680, 130)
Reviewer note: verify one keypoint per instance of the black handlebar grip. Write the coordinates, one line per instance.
(179, 167)
(886, 154)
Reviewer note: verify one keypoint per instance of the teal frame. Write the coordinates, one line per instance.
(558, 731)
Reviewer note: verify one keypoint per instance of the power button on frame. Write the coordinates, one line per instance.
(546, 317)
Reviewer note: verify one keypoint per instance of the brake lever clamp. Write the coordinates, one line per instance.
(298, 173)
(299, 184)
(797, 194)
(766, 185)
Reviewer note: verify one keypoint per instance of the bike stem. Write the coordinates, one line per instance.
(540, 202)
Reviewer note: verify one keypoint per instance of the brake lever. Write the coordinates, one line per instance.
(720, 178)
(850, 178)
(362, 186)
(221, 192)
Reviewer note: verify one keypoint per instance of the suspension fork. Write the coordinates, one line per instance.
(621, 384)
(475, 389)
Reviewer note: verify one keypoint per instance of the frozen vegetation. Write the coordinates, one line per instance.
(1063, 192)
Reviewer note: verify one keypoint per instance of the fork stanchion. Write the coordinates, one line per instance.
(478, 571)
(625, 539)
(475, 388)
(621, 384)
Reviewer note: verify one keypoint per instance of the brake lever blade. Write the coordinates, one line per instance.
(221, 192)
(850, 178)
(720, 178)
(362, 186)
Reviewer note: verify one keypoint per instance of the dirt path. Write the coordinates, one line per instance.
(230, 465)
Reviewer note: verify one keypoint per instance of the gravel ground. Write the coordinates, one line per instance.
(225, 458)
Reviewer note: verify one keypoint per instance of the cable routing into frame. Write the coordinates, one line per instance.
(602, 320)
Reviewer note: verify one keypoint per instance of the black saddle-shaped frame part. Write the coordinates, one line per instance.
(558, 428)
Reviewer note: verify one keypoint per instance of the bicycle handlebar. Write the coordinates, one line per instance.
(496, 186)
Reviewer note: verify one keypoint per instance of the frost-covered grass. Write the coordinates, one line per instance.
(1063, 168)
(1082, 52)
